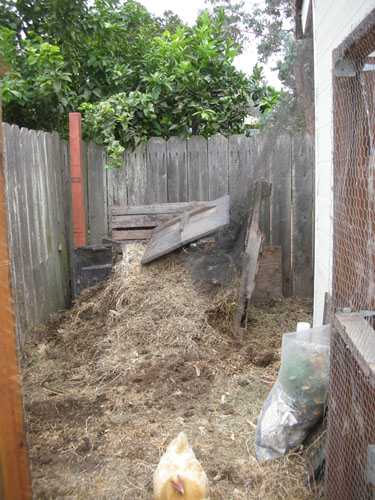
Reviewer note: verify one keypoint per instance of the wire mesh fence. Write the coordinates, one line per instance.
(350, 471)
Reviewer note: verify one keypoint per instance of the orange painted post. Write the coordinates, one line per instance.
(15, 480)
(78, 190)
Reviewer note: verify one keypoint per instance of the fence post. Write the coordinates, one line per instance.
(15, 481)
(78, 191)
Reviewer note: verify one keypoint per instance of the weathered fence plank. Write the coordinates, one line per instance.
(62, 255)
(260, 159)
(302, 225)
(177, 170)
(197, 168)
(97, 193)
(46, 235)
(217, 167)
(136, 171)
(54, 270)
(27, 155)
(280, 157)
(157, 187)
(12, 162)
(239, 172)
(66, 193)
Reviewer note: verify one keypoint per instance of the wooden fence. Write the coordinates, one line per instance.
(199, 169)
(37, 178)
(39, 201)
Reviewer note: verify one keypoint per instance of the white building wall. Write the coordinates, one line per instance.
(333, 21)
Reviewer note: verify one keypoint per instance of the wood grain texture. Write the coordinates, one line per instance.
(281, 204)
(78, 184)
(239, 171)
(157, 187)
(154, 208)
(268, 280)
(177, 169)
(303, 211)
(136, 170)
(15, 481)
(217, 167)
(97, 193)
(197, 156)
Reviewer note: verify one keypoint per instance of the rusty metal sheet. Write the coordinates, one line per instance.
(192, 225)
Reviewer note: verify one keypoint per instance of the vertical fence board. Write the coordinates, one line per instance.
(29, 248)
(12, 162)
(66, 185)
(137, 175)
(97, 194)
(197, 169)
(62, 255)
(177, 170)
(239, 172)
(217, 166)
(46, 234)
(259, 154)
(54, 270)
(281, 204)
(157, 190)
(302, 228)
(85, 187)
(117, 180)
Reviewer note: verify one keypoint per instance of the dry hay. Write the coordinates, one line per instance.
(140, 357)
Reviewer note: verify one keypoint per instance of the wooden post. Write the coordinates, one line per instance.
(78, 191)
(15, 481)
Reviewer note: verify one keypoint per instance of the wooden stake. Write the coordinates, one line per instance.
(78, 190)
(15, 481)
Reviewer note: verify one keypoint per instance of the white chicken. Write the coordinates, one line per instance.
(179, 475)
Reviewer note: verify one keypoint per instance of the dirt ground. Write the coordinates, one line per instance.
(140, 357)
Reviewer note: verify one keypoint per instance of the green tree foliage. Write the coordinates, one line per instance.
(131, 78)
(271, 25)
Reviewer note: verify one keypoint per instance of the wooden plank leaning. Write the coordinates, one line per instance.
(254, 243)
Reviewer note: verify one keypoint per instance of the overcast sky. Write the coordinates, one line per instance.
(187, 10)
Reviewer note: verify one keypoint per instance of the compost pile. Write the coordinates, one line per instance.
(141, 357)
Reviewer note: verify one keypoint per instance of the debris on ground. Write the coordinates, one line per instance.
(138, 359)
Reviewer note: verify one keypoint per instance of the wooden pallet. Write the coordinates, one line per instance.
(130, 224)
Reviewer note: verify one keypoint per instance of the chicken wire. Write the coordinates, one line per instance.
(350, 466)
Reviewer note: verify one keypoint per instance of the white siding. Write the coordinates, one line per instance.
(333, 21)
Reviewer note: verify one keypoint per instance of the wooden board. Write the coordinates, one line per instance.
(190, 226)
(303, 208)
(254, 243)
(157, 188)
(136, 175)
(239, 172)
(217, 166)
(129, 223)
(97, 192)
(177, 170)
(282, 205)
(134, 234)
(197, 168)
(268, 280)
(155, 208)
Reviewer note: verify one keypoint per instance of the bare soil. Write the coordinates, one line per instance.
(140, 357)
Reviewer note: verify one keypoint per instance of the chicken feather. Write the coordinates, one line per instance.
(179, 475)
